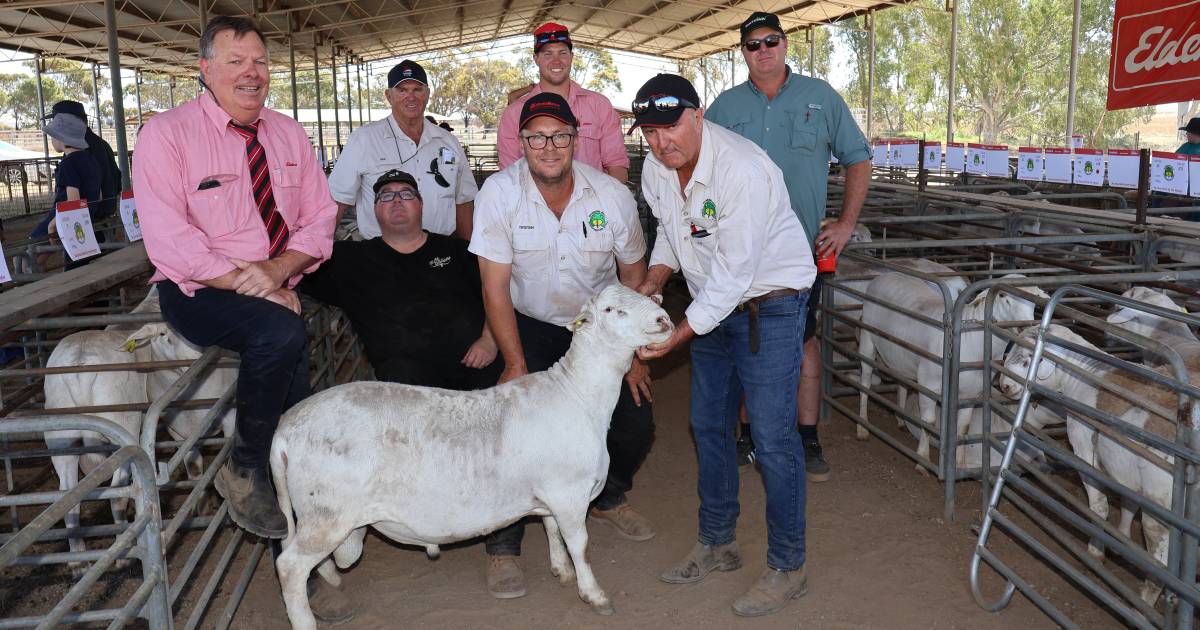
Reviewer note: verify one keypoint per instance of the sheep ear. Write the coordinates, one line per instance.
(1125, 314)
(143, 335)
(1045, 369)
(585, 316)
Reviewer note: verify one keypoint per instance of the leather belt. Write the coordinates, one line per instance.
(752, 306)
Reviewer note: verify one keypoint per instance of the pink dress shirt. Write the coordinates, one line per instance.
(600, 143)
(191, 234)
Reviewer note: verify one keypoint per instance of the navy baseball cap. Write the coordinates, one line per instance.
(661, 101)
(547, 104)
(761, 19)
(407, 70)
(74, 108)
(395, 176)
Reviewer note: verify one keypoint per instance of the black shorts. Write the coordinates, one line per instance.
(814, 302)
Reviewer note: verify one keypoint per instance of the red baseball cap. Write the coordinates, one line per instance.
(549, 33)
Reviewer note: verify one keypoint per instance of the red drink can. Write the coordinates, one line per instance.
(827, 263)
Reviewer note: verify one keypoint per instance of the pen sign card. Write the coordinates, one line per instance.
(955, 156)
(1030, 164)
(1194, 174)
(1123, 166)
(879, 152)
(1168, 172)
(1058, 165)
(933, 156)
(1089, 167)
(75, 229)
(995, 160)
(976, 159)
(129, 217)
(5, 276)
(906, 153)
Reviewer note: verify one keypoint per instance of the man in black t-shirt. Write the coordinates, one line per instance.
(413, 297)
(102, 152)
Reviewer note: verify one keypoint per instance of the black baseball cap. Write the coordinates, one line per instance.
(74, 108)
(1192, 127)
(395, 176)
(761, 19)
(407, 70)
(547, 104)
(661, 101)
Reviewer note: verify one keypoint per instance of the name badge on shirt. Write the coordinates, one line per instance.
(447, 155)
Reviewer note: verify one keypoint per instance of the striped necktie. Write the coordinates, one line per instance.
(264, 199)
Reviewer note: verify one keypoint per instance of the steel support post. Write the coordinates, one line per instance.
(137, 90)
(203, 15)
(114, 71)
(317, 85)
(870, 72)
(96, 96)
(952, 6)
(292, 58)
(37, 72)
(812, 51)
(171, 92)
(349, 100)
(1074, 73)
(358, 85)
(337, 116)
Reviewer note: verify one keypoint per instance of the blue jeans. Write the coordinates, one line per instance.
(723, 368)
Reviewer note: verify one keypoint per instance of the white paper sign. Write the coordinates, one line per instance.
(1076, 141)
(995, 160)
(1168, 172)
(955, 156)
(1194, 174)
(1089, 167)
(933, 156)
(906, 153)
(1030, 164)
(976, 159)
(75, 229)
(129, 216)
(1123, 167)
(4, 275)
(879, 153)
(1058, 165)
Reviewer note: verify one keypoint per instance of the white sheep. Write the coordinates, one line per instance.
(427, 466)
(1098, 450)
(916, 296)
(1174, 334)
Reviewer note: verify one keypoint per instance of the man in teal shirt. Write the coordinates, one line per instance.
(799, 121)
(1192, 146)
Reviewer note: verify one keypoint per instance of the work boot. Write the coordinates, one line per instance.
(701, 561)
(329, 604)
(252, 502)
(814, 462)
(505, 579)
(745, 449)
(628, 523)
(773, 590)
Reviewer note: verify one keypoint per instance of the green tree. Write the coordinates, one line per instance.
(797, 55)
(23, 101)
(593, 68)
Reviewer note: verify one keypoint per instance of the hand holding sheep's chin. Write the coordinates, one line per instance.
(286, 298)
(683, 332)
(638, 380)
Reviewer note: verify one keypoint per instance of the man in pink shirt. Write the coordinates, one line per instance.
(600, 143)
(234, 210)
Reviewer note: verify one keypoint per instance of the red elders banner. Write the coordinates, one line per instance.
(1155, 53)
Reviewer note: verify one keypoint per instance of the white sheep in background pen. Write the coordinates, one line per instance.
(1174, 334)
(427, 466)
(915, 295)
(1096, 449)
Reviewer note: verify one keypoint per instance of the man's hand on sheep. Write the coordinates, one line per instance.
(638, 379)
(481, 353)
(286, 298)
(512, 371)
(683, 332)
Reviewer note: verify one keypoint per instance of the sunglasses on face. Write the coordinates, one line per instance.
(389, 196)
(559, 140)
(662, 104)
(556, 36)
(770, 40)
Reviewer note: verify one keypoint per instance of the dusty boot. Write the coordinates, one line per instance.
(252, 502)
(815, 466)
(701, 561)
(329, 603)
(773, 590)
(505, 578)
(628, 523)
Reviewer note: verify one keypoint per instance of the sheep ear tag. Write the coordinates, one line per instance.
(130, 345)
(577, 324)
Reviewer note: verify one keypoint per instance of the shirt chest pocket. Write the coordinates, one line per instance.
(589, 136)
(597, 247)
(285, 186)
(211, 210)
(531, 250)
(807, 128)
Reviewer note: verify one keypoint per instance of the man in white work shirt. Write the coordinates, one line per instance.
(406, 141)
(551, 232)
(725, 221)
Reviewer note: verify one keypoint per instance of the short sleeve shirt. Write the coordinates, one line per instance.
(800, 128)
(78, 169)
(438, 163)
(600, 143)
(557, 264)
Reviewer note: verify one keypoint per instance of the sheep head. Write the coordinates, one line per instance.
(1010, 307)
(1018, 359)
(1141, 322)
(624, 317)
(165, 344)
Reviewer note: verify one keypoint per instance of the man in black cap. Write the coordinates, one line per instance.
(102, 152)
(725, 221)
(538, 270)
(408, 141)
(413, 296)
(1192, 145)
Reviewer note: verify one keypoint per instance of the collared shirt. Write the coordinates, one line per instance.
(378, 147)
(191, 233)
(600, 143)
(731, 230)
(557, 264)
(799, 128)
(1189, 148)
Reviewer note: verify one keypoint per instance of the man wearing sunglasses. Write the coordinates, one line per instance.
(413, 296)
(725, 222)
(799, 121)
(550, 232)
(599, 143)
(406, 140)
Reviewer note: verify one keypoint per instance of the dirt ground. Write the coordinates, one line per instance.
(880, 556)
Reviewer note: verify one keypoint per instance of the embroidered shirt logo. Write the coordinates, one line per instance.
(597, 220)
(437, 263)
(710, 209)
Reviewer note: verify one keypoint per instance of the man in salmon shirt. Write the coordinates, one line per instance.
(234, 210)
(599, 144)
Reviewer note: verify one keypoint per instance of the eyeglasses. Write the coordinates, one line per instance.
(770, 40)
(389, 196)
(548, 38)
(538, 141)
(662, 104)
